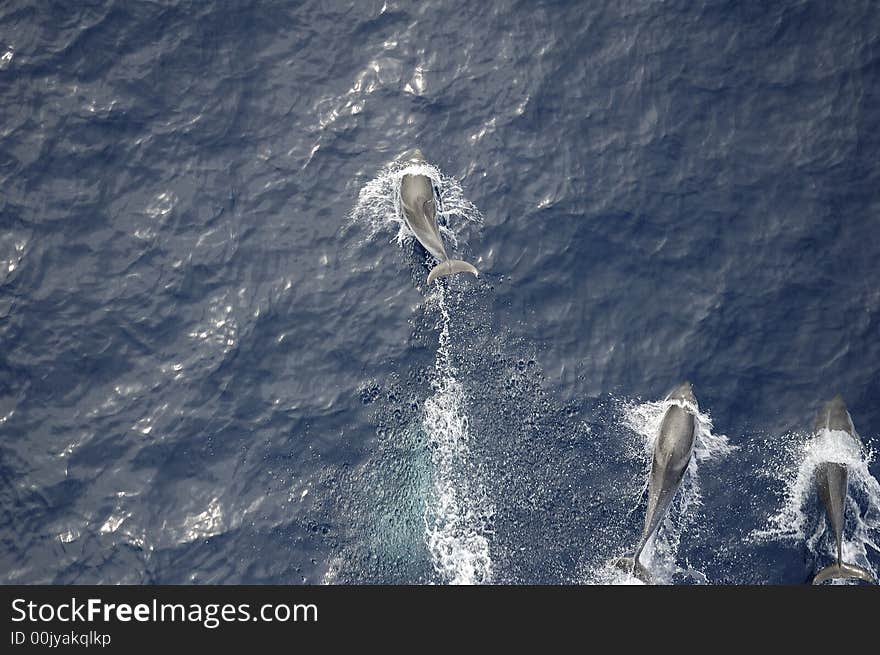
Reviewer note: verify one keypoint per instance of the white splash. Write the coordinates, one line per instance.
(609, 574)
(797, 471)
(378, 207)
(458, 516)
(645, 419)
(661, 552)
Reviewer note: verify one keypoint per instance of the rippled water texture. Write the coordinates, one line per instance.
(220, 359)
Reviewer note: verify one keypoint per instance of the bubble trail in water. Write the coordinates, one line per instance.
(458, 515)
(796, 469)
(643, 419)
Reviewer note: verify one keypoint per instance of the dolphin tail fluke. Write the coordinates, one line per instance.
(450, 267)
(844, 572)
(634, 567)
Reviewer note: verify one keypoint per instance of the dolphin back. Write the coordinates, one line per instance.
(450, 267)
(835, 416)
(420, 212)
(832, 481)
(672, 456)
(831, 478)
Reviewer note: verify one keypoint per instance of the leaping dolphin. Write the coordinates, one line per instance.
(831, 478)
(420, 212)
(672, 455)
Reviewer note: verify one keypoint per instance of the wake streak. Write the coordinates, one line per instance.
(458, 517)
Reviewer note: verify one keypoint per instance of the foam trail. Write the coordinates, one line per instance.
(458, 516)
(661, 551)
(797, 470)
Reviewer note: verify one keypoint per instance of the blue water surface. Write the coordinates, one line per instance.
(210, 372)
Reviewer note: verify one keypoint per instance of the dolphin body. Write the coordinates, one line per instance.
(831, 478)
(672, 455)
(420, 212)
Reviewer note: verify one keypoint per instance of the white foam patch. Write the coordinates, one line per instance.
(644, 420)
(458, 516)
(660, 555)
(609, 574)
(796, 469)
(378, 208)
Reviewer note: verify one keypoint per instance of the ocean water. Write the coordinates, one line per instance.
(220, 361)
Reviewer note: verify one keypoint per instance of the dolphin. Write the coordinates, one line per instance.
(831, 477)
(672, 455)
(420, 212)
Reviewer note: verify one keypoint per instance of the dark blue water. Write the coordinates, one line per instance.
(212, 372)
